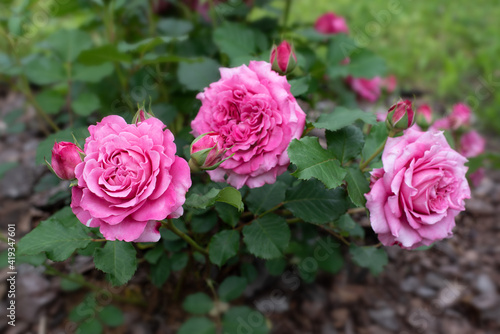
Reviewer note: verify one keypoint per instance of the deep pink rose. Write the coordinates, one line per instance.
(460, 115)
(252, 107)
(421, 187)
(65, 157)
(129, 179)
(472, 144)
(400, 116)
(329, 23)
(368, 89)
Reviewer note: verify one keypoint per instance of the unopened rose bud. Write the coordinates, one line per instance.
(400, 116)
(283, 58)
(65, 157)
(424, 114)
(141, 116)
(207, 151)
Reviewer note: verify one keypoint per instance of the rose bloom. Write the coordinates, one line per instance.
(253, 109)
(421, 187)
(329, 23)
(368, 89)
(129, 179)
(472, 144)
(460, 115)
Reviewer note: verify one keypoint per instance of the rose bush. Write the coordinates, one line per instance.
(421, 187)
(129, 179)
(253, 109)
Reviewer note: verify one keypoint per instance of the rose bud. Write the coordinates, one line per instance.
(330, 23)
(283, 59)
(472, 144)
(141, 116)
(65, 157)
(207, 151)
(460, 115)
(424, 114)
(400, 116)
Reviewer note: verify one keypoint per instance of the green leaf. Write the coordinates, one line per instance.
(369, 257)
(299, 86)
(242, 319)
(50, 101)
(366, 64)
(231, 288)
(196, 76)
(227, 195)
(341, 117)
(153, 255)
(266, 197)
(174, 27)
(68, 44)
(375, 138)
(357, 186)
(145, 44)
(179, 261)
(228, 213)
(59, 236)
(198, 303)
(69, 285)
(92, 74)
(103, 54)
(235, 39)
(314, 161)
(345, 143)
(276, 267)
(86, 103)
(249, 272)
(329, 258)
(84, 310)
(223, 246)
(46, 145)
(348, 227)
(118, 260)
(204, 223)
(313, 203)
(91, 326)
(160, 271)
(44, 71)
(111, 316)
(267, 237)
(340, 47)
(197, 325)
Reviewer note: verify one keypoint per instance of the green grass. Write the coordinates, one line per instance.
(447, 49)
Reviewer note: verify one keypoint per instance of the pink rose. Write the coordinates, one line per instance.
(252, 107)
(421, 187)
(400, 116)
(65, 157)
(441, 124)
(389, 83)
(368, 89)
(460, 115)
(472, 144)
(129, 179)
(329, 23)
(477, 176)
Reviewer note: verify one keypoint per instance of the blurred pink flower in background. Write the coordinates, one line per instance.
(426, 111)
(460, 115)
(472, 144)
(368, 89)
(477, 176)
(330, 23)
(389, 83)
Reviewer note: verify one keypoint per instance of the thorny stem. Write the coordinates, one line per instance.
(80, 280)
(168, 224)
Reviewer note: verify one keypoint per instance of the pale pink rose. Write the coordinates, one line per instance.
(426, 112)
(129, 179)
(421, 187)
(252, 107)
(329, 23)
(65, 157)
(477, 176)
(368, 89)
(472, 144)
(460, 115)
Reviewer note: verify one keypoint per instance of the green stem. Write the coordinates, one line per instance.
(210, 284)
(286, 15)
(293, 220)
(336, 235)
(168, 224)
(270, 210)
(355, 210)
(373, 156)
(213, 14)
(81, 280)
